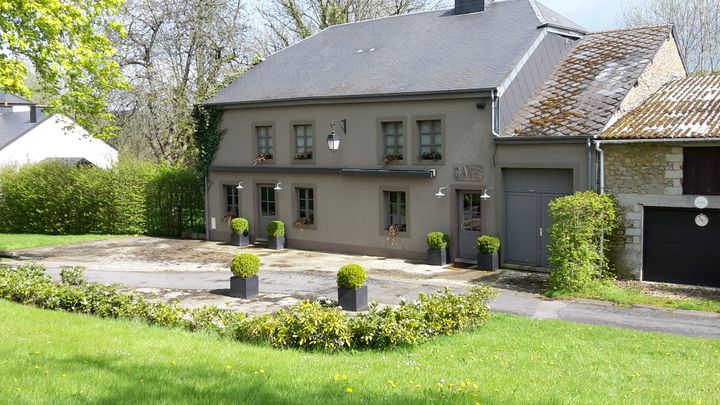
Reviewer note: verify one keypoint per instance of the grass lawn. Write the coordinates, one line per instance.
(609, 291)
(55, 357)
(13, 241)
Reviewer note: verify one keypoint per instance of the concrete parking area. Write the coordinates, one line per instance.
(196, 273)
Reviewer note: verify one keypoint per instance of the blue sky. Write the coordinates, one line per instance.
(594, 15)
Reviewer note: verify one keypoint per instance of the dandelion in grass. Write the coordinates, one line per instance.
(349, 390)
(228, 367)
(337, 377)
(345, 377)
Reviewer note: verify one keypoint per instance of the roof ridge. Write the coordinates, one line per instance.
(634, 28)
(538, 14)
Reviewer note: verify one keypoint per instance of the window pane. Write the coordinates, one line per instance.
(425, 140)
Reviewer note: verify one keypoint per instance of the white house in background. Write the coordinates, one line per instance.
(27, 135)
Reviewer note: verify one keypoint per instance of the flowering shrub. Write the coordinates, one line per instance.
(308, 325)
(73, 276)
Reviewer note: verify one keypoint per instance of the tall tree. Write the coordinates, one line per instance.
(697, 23)
(65, 45)
(176, 53)
(289, 21)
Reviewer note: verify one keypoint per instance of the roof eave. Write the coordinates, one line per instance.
(430, 95)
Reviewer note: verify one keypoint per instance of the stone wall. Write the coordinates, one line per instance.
(637, 173)
(643, 168)
(643, 175)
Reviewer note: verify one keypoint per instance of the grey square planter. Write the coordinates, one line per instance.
(437, 257)
(244, 287)
(276, 242)
(488, 261)
(240, 239)
(353, 299)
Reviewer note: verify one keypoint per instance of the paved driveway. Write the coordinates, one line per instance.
(196, 273)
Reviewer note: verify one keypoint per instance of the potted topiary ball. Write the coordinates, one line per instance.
(244, 282)
(276, 235)
(352, 291)
(488, 248)
(240, 235)
(437, 248)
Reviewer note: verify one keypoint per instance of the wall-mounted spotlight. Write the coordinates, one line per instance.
(440, 193)
(277, 187)
(333, 140)
(485, 195)
(240, 186)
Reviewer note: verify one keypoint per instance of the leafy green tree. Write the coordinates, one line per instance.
(65, 44)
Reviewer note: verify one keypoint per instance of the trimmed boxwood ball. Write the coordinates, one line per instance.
(276, 229)
(437, 240)
(488, 244)
(245, 265)
(239, 226)
(351, 276)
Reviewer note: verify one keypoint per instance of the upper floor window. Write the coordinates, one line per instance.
(701, 171)
(303, 142)
(264, 142)
(430, 139)
(394, 142)
(305, 206)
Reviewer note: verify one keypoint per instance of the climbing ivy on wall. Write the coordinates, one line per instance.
(207, 135)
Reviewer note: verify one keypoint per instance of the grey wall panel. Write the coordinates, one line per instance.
(539, 180)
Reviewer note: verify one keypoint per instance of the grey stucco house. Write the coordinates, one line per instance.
(504, 99)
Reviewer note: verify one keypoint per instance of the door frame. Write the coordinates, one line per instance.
(256, 205)
(456, 189)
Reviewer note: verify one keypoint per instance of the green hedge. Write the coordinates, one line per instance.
(308, 325)
(583, 225)
(130, 198)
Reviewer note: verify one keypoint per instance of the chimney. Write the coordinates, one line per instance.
(469, 6)
(33, 114)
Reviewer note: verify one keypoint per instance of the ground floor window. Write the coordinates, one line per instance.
(232, 202)
(395, 210)
(305, 206)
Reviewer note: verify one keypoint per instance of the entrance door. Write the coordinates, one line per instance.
(528, 192)
(470, 223)
(266, 208)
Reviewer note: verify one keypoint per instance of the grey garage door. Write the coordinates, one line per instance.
(677, 250)
(527, 220)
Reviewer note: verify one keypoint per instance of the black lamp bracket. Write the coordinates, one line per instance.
(342, 123)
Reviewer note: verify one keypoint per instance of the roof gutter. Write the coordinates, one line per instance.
(657, 140)
(541, 139)
(419, 96)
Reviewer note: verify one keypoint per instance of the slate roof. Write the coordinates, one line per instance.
(70, 161)
(427, 52)
(15, 124)
(686, 108)
(586, 89)
(10, 99)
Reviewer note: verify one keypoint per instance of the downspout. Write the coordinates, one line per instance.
(207, 211)
(601, 160)
(590, 175)
(495, 126)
